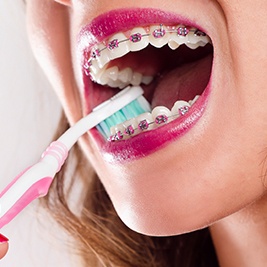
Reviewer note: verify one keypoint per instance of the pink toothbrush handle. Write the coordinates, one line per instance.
(32, 183)
(38, 189)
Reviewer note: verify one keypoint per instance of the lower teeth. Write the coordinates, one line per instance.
(148, 121)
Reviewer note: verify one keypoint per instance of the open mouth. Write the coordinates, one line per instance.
(171, 62)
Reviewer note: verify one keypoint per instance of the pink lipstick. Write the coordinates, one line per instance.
(151, 141)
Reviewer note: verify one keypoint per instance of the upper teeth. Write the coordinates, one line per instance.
(139, 38)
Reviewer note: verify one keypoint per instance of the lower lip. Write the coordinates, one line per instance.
(151, 141)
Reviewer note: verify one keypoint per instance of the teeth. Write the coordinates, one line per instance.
(130, 128)
(192, 38)
(94, 68)
(127, 129)
(173, 44)
(144, 120)
(103, 56)
(192, 102)
(116, 84)
(161, 114)
(117, 49)
(195, 41)
(193, 46)
(147, 80)
(147, 121)
(176, 40)
(136, 79)
(113, 77)
(180, 108)
(118, 130)
(126, 75)
(204, 39)
(138, 40)
(159, 36)
(103, 78)
(112, 73)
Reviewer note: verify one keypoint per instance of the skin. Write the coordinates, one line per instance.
(214, 175)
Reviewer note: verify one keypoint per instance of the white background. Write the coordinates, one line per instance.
(29, 113)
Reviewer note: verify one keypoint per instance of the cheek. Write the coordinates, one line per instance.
(49, 37)
(167, 193)
(173, 204)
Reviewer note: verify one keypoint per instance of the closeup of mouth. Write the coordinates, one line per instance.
(170, 58)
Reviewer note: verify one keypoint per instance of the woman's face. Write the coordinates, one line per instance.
(203, 166)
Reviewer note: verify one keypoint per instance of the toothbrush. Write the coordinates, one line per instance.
(35, 181)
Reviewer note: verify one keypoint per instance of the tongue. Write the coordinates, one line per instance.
(182, 83)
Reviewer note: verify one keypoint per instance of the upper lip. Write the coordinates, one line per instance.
(120, 20)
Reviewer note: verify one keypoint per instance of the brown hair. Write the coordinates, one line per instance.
(103, 240)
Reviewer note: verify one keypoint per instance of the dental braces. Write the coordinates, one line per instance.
(160, 32)
(144, 125)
